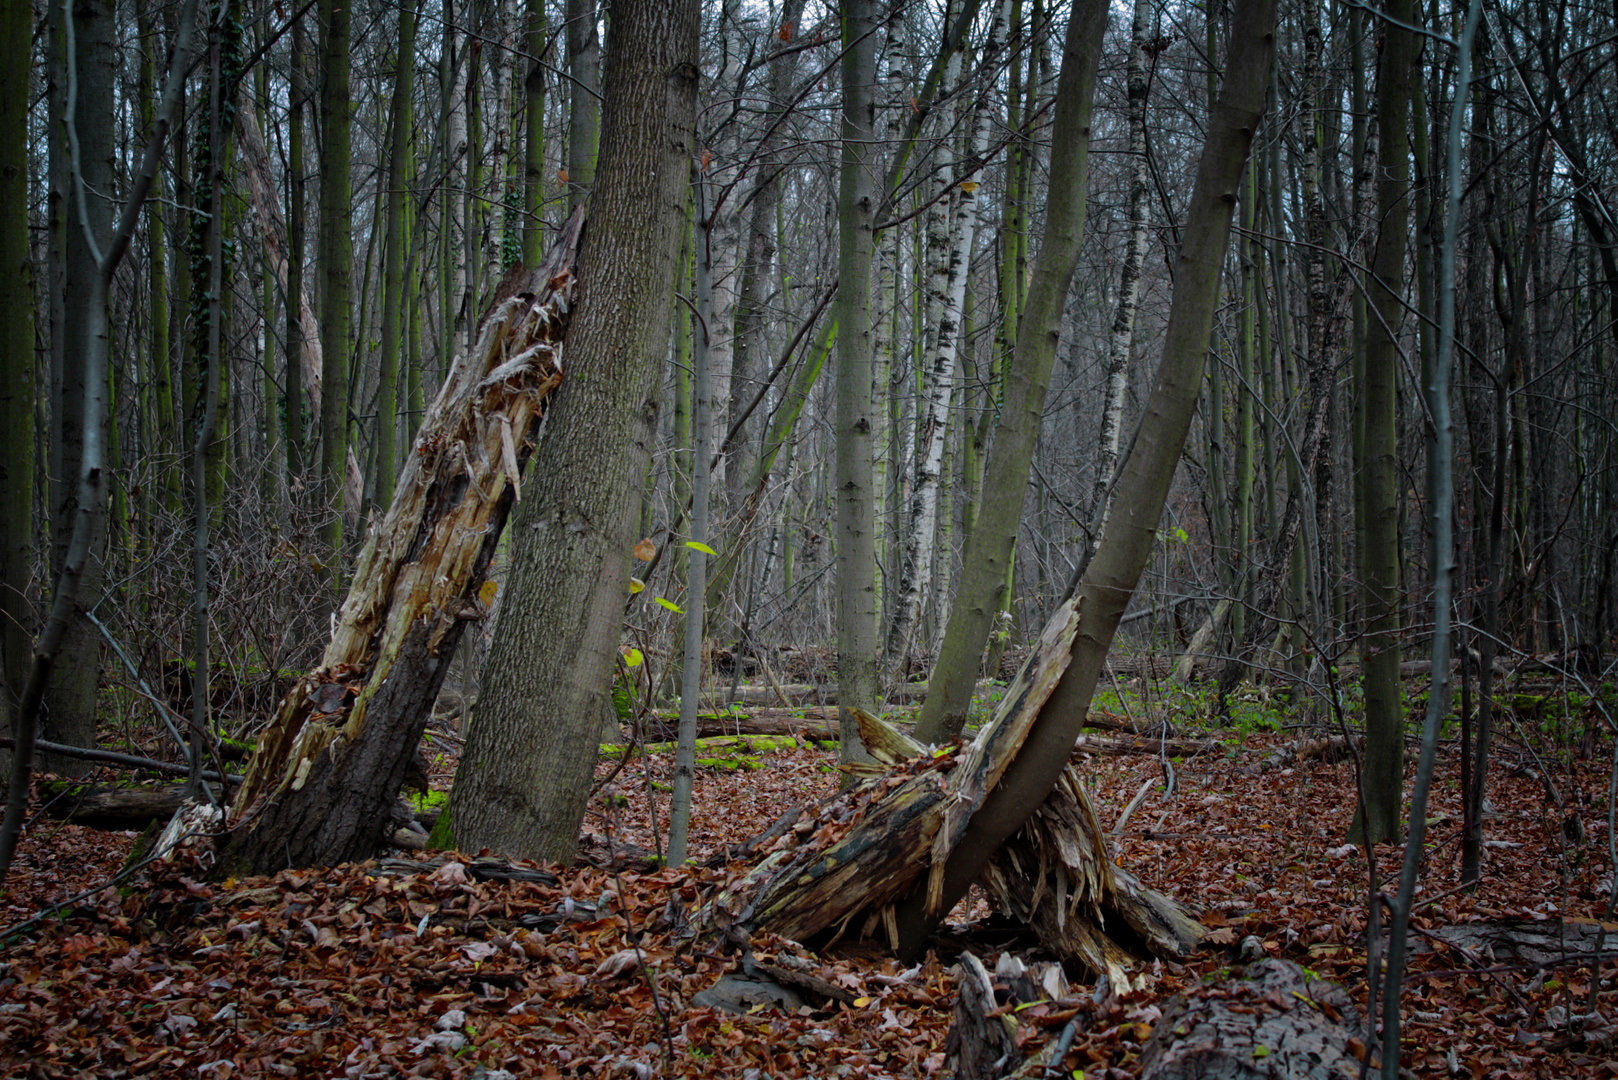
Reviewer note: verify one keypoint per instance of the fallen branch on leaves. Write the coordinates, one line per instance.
(113, 757)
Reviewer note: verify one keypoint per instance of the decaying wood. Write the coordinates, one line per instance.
(981, 1045)
(100, 806)
(806, 723)
(842, 864)
(1275, 1022)
(1121, 745)
(329, 765)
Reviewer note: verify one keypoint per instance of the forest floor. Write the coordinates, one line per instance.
(415, 966)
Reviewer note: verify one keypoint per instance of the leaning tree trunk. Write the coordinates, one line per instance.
(320, 786)
(951, 814)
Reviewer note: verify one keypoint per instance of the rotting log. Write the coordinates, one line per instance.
(106, 806)
(1274, 1022)
(327, 769)
(842, 864)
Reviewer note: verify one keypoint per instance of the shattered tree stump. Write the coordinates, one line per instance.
(1276, 1023)
(320, 789)
(847, 861)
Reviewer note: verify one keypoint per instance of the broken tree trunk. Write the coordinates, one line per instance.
(327, 770)
(846, 861)
(899, 852)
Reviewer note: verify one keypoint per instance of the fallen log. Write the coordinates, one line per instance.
(1275, 1021)
(1121, 745)
(105, 806)
(807, 723)
(328, 767)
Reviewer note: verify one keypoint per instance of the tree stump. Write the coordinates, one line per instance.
(1275, 1023)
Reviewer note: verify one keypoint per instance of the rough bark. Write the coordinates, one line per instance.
(342, 739)
(987, 558)
(1274, 1022)
(556, 642)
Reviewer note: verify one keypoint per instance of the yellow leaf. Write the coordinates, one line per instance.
(645, 551)
(633, 657)
(486, 593)
(861, 1002)
(636, 585)
(698, 545)
(670, 604)
(969, 186)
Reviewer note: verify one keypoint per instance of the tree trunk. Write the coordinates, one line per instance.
(1123, 320)
(987, 558)
(71, 696)
(575, 529)
(331, 763)
(337, 255)
(399, 170)
(1143, 485)
(939, 374)
(858, 673)
(16, 359)
(1383, 779)
(584, 99)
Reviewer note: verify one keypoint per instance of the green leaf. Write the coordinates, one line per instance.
(1261, 1051)
(698, 545)
(670, 604)
(633, 658)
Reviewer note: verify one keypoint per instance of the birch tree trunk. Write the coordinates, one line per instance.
(987, 559)
(939, 371)
(1123, 321)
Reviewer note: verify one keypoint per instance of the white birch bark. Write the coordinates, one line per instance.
(1123, 322)
(939, 372)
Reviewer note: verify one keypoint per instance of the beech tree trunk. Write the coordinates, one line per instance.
(556, 642)
(330, 765)
(858, 671)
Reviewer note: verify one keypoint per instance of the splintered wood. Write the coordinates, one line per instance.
(319, 788)
(846, 862)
